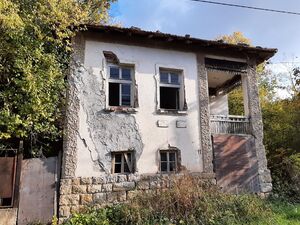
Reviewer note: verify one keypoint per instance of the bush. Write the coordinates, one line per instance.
(285, 170)
(188, 202)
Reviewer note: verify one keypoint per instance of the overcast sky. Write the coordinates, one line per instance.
(207, 21)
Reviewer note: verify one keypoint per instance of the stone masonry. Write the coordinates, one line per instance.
(79, 193)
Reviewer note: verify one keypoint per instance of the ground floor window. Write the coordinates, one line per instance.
(168, 161)
(122, 162)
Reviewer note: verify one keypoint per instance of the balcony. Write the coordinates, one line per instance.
(220, 124)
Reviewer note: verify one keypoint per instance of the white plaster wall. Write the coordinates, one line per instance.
(219, 105)
(153, 137)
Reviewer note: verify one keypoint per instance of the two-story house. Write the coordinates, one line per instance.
(142, 106)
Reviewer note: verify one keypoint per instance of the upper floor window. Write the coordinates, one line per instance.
(120, 86)
(170, 90)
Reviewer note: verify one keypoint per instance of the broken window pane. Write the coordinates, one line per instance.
(114, 72)
(169, 98)
(117, 168)
(164, 77)
(114, 94)
(126, 74)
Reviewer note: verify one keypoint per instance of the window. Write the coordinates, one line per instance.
(122, 162)
(170, 90)
(120, 86)
(168, 161)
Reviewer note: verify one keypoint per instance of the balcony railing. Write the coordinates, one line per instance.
(229, 124)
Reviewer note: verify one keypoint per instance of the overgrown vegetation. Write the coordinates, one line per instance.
(35, 39)
(191, 202)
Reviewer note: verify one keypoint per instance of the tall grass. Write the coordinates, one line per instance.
(188, 202)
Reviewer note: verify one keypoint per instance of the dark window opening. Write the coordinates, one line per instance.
(122, 162)
(114, 94)
(168, 161)
(6, 202)
(169, 98)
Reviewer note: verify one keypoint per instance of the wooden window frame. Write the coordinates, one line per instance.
(168, 161)
(170, 85)
(124, 159)
(121, 81)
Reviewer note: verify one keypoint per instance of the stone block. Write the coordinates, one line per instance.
(86, 180)
(107, 188)
(122, 178)
(8, 216)
(76, 181)
(72, 199)
(78, 208)
(65, 181)
(124, 186)
(112, 178)
(64, 211)
(91, 189)
(143, 185)
(86, 199)
(181, 124)
(265, 176)
(79, 189)
(162, 123)
(115, 197)
(133, 177)
(99, 180)
(65, 189)
(266, 187)
(99, 198)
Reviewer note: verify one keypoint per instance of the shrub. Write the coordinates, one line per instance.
(285, 170)
(188, 202)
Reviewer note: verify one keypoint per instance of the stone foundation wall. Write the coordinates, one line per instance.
(79, 193)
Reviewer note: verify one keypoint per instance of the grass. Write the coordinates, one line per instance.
(285, 213)
(192, 203)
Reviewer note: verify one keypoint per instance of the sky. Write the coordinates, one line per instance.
(207, 21)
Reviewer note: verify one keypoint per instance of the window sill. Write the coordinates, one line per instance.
(171, 112)
(120, 109)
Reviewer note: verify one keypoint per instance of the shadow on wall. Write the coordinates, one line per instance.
(235, 163)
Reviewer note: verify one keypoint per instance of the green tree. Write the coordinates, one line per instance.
(35, 37)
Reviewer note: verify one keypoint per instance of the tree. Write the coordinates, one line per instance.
(236, 37)
(35, 37)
